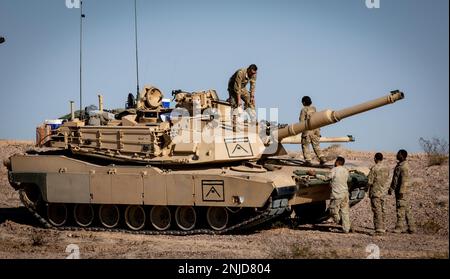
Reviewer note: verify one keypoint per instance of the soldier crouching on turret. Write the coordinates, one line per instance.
(237, 87)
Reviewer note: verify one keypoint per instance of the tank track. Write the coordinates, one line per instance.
(276, 209)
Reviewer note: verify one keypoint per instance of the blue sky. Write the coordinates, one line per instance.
(338, 52)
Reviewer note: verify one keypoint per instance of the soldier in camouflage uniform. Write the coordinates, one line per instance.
(378, 183)
(237, 87)
(310, 137)
(339, 200)
(400, 186)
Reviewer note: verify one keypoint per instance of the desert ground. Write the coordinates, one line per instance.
(22, 238)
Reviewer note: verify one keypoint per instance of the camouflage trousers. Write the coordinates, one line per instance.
(340, 211)
(313, 140)
(245, 96)
(379, 214)
(404, 215)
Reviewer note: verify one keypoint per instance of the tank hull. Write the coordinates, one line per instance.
(246, 197)
(74, 183)
(67, 180)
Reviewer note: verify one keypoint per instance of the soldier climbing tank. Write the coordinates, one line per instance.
(193, 168)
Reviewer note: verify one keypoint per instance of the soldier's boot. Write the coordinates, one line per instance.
(337, 219)
(347, 229)
(400, 226)
(399, 229)
(346, 226)
(307, 164)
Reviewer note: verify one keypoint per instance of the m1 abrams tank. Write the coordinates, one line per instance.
(195, 168)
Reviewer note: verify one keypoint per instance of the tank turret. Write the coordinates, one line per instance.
(199, 130)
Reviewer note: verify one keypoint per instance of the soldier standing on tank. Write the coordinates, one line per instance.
(310, 137)
(237, 87)
(339, 200)
(378, 184)
(400, 186)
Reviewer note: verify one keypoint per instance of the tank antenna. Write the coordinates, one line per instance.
(136, 46)
(81, 58)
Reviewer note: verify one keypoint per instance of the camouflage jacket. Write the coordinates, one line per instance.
(400, 179)
(305, 114)
(339, 177)
(378, 180)
(239, 81)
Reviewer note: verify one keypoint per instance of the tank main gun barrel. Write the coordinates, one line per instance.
(348, 138)
(328, 117)
(298, 139)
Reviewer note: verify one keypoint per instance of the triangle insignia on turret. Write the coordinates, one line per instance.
(238, 147)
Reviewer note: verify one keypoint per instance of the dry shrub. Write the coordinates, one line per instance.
(436, 150)
(431, 226)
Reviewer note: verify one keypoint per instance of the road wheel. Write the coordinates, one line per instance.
(311, 213)
(135, 217)
(84, 215)
(185, 217)
(217, 218)
(160, 217)
(109, 216)
(57, 214)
